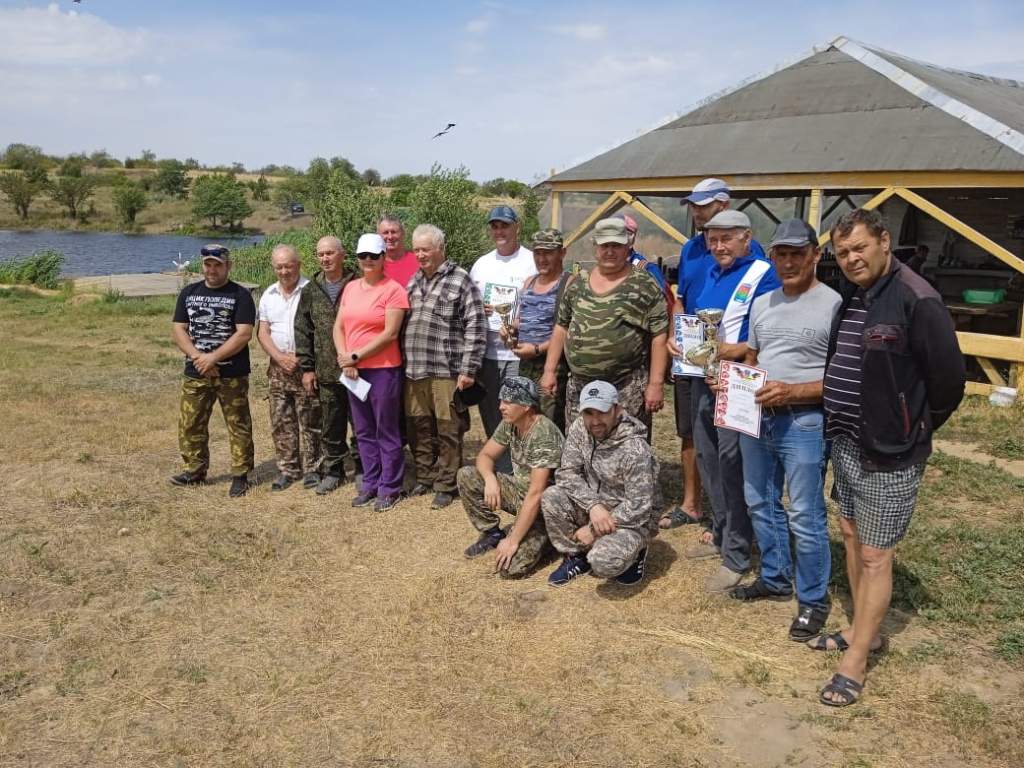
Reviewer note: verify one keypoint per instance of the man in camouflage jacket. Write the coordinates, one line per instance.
(318, 359)
(603, 509)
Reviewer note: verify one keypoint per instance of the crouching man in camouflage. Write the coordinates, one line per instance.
(602, 511)
(535, 444)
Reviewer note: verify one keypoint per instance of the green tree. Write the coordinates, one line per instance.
(260, 189)
(147, 159)
(318, 179)
(345, 166)
(447, 199)
(529, 215)
(72, 192)
(73, 165)
(129, 199)
(22, 157)
(171, 179)
(500, 187)
(102, 159)
(21, 190)
(220, 199)
(371, 177)
(191, 164)
(349, 209)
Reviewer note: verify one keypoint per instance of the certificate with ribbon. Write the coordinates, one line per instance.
(735, 407)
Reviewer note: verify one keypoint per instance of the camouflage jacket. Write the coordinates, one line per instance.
(620, 472)
(314, 329)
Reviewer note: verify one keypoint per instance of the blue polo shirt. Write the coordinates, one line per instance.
(718, 287)
(694, 262)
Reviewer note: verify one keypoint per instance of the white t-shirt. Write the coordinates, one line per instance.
(278, 312)
(500, 280)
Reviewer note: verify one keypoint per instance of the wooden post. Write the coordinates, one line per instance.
(814, 209)
(556, 210)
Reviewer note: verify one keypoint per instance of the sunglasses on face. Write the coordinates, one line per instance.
(374, 256)
(214, 251)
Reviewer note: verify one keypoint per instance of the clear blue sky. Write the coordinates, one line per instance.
(532, 86)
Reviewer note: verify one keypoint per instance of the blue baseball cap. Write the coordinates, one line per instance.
(502, 213)
(707, 191)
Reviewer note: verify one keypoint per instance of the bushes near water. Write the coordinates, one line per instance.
(41, 269)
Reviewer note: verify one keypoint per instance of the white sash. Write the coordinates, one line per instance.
(739, 303)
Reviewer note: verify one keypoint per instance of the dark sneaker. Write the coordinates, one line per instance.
(488, 540)
(420, 490)
(442, 500)
(312, 480)
(384, 503)
(364, 499)
(282, 482)
(635, 573)
(239, 486)
(327, 484)
(571, 567)
(757, 590)
(187, 478)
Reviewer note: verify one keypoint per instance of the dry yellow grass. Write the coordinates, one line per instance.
(286, 629)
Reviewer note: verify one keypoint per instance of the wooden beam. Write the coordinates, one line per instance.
(990, 370)
(814, 209)
(871, 204)
(986, 244)
(764, 210)
(989, 345)
(556, 210)
(852, 180)
(979, 388)
(654, 218)
(612, 203)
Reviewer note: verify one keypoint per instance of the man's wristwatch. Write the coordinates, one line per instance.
(355, 357)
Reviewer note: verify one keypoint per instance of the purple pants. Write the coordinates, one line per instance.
(377, 424)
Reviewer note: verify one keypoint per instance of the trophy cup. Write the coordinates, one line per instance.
(705, 354)
(506, 312)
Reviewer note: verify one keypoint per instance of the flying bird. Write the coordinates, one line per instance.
(446, 129)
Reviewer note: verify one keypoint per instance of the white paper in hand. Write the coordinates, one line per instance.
(359, 386)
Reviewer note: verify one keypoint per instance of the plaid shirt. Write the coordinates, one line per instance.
(446, 328)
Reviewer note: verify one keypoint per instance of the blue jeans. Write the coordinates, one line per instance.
(791, 450)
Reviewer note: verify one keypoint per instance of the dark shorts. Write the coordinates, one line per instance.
(681, 403)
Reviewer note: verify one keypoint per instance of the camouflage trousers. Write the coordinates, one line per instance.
(631, 397)
(294, 423)
(197, 399)
(551, 406)
(334, 430)
(609, 556)
(534, 544)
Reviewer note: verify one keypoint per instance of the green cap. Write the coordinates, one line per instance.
(611, 231)
(548, 240)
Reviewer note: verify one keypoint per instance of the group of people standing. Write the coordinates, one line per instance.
(567, 371)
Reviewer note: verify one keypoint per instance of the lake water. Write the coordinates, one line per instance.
(107, 253)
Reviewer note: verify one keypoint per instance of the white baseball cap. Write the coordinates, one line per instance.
(372, 243)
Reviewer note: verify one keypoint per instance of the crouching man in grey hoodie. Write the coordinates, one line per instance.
(603, 509)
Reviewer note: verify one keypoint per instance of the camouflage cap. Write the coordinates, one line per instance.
(520, 390)
(548, 240)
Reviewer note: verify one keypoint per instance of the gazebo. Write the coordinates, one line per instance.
(939, 152)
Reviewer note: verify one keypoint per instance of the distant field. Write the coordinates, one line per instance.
(142, 625)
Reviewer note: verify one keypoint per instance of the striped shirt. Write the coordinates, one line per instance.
(843, 375)
(446, 330)
(537, 312)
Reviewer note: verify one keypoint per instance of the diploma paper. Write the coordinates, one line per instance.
(734, 406)
(689, 333)
(496, 293)
(358, 386)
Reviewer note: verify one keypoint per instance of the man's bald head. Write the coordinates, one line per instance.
(287, 266)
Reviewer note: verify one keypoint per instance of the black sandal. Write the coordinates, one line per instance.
(847, 688)
(758, 590)
(821, 643)
(808, 624)
(676, 517)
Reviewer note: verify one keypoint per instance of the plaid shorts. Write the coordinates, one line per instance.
(880, 503)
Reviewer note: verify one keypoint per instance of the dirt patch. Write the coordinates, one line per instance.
(974, 452)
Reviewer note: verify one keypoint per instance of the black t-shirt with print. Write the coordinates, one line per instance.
(212, 314)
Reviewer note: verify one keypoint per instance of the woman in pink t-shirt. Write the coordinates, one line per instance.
(366, 336)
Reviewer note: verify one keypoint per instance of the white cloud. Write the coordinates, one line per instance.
(48, 36)
(478, 26)
(583, 31)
